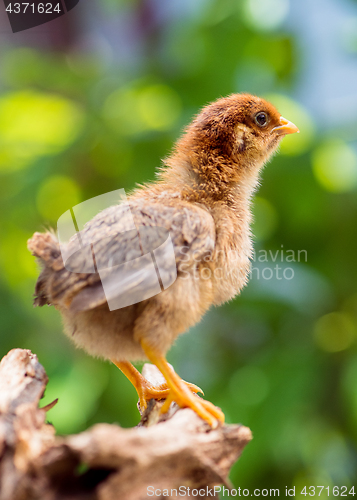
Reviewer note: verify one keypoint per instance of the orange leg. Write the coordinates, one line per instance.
(179, 392)
(143, 387)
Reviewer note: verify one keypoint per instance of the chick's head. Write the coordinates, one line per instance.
(232, 136)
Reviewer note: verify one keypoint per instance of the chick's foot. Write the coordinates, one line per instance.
(179, 391)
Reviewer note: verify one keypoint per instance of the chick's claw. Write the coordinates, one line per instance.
(194, 388)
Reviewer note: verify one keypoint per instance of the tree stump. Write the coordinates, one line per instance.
(163, 457)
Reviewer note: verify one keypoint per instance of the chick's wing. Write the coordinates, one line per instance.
(122, 239)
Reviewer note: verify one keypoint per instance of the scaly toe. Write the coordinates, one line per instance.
(150, 392)
(204, 409)
(193, 387)
(214, 410)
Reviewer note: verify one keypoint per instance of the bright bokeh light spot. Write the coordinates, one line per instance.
(294, 144)
(120, 110)
(57, 195)
(266, 14)
(335, 166)
(135, 110)
(249, 385)
(334, 332)
(159, 107)
(265, 219)
(34, 124)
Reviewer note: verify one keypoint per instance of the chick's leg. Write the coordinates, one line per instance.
(179, 392)
(143, 387)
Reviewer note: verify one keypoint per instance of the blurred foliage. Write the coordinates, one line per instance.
(282, 357)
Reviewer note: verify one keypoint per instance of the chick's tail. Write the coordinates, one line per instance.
(45, 247)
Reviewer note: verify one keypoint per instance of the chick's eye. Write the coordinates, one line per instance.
(261, 119)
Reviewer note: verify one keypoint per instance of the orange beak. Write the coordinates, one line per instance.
(286, 127)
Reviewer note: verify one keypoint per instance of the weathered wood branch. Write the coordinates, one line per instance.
(105, 462)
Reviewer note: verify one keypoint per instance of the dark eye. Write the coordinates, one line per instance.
(261, 119)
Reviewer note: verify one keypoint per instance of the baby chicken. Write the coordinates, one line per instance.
(201, 198)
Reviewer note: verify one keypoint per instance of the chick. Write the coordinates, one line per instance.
(202, 199)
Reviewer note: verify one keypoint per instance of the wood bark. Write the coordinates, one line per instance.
(106, 462)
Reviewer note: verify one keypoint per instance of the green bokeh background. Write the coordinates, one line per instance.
(282, 357)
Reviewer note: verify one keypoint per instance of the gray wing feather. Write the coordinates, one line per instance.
(112, 239)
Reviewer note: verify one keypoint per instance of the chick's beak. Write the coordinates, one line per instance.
(285, 127)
